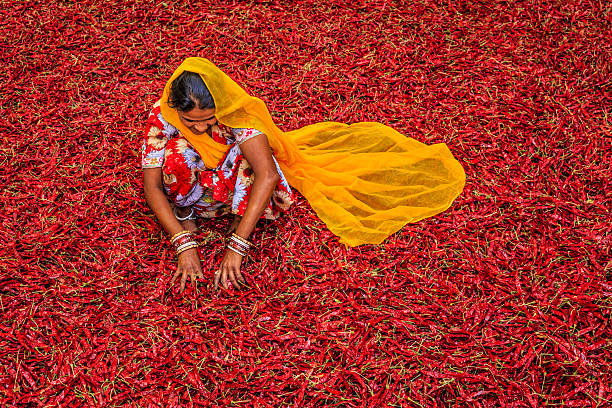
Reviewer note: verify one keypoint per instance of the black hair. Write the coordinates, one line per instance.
(187, 91)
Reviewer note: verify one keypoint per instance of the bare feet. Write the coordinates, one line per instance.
(190, 224)
(234, 225)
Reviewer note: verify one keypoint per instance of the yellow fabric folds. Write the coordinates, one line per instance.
(365, 180)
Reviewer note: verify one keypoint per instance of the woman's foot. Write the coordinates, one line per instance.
(188, 224)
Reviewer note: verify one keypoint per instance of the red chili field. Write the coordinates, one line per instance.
(501, 301)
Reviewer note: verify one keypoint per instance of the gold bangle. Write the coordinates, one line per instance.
(239, 243)
(178, 234)
(246, 241)
(184, 244)
(186, 247)
(236, 250)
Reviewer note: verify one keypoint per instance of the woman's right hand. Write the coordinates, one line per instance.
(188, 265)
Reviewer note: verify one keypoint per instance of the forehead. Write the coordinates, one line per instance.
(198, 114)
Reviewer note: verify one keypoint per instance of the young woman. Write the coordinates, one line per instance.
(242, 184)
(211, 149)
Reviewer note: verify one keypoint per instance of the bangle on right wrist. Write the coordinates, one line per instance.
(182, 241)
(186, 246)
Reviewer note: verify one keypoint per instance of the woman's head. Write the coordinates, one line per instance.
(193, 102)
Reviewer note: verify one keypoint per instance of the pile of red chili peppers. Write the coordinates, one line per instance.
(503, 300)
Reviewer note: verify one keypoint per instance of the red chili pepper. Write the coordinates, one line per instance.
(500, 300)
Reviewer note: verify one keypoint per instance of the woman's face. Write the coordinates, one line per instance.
(198, 120)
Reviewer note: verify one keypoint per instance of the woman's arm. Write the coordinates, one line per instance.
(258, 154)
(189, 260)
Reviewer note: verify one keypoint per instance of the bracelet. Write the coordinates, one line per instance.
(190, 242)
(236, 250)
(189, 217)
(246, 241)
(183, 239)
(241, 248)
(240, 244)
(178, 253)
(186, 246)
(178, 235)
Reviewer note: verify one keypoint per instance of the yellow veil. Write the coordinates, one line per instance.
(365, 180)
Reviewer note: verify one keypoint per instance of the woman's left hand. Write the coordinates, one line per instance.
(229, 269)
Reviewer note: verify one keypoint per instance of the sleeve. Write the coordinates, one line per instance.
(242, 135)
(155, 138)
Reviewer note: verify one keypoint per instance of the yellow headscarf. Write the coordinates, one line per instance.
(365, 180)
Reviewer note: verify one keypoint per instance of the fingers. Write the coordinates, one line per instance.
(232, 277)
(216, 280)
(184, 272)
(221, 276)
(224, 275)
(183, 280)
(188, 266)
(192, 276)
(229, 270)
(176, 275)
(224, 280)
(240, 277)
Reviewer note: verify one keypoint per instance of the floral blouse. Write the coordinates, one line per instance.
(211, 192)
(158, 132)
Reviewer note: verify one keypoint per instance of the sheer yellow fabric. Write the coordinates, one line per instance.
(365, 180)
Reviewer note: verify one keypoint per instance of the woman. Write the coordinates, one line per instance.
(242, 184)
(212, 149)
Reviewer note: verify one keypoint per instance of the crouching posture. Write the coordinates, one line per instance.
(212, 149)
(179, 188)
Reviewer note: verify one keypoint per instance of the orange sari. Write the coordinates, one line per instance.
(365, 181)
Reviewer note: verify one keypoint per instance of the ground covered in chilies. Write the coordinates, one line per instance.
(503, 300)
